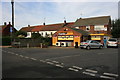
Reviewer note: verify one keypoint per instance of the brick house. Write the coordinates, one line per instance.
(45, 30)
(99, 27)
(5, 29)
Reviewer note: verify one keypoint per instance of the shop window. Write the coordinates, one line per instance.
(46, 33)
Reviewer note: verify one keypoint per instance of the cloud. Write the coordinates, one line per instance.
(33, 13)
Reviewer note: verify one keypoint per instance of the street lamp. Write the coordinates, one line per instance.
(12, 27)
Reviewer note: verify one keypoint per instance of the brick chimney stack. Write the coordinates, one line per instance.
(5, 23)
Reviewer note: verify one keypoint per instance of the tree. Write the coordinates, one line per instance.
(20, 34)
(36, 35)
(116, 28)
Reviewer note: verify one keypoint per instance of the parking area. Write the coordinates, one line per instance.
(94, 62)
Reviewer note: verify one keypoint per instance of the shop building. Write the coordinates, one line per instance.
(68, 36)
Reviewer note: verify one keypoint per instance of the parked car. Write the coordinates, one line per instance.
(91, 44)
(112, 42)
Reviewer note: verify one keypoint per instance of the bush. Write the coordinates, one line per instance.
(6, 41)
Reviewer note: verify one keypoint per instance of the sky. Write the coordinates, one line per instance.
(51, 12)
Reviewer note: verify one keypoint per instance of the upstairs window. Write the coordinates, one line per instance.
(87, 28)
(99, 28)
(77, 27)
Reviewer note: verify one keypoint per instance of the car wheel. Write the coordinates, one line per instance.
(81, 47)
(88, 47)
(101, 47)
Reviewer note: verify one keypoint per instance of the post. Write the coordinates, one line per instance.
(28, 45)
(41, 45)
(12, 2)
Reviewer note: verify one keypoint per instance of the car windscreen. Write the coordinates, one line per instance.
(112, 40)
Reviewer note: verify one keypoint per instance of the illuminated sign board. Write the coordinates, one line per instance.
(65, 38)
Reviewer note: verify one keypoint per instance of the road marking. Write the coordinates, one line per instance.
(89, 70)
(33, 58)
(21, 55)
(87, 73)
(11, 52)
(50, 63)
(59, 65)
(73, 69)
(64, 57)
(16, 54)
(26, 57)
(42, 61)
(107, 77)
(110, 74)
(77, 67)
(55, 61)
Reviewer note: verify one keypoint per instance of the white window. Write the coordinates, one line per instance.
(87, 28)
(77, 27)
(99, 27)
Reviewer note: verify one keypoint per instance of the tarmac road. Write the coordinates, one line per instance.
(60, 63)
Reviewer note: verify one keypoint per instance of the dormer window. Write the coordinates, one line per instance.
(65, 29)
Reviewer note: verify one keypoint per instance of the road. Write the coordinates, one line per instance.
(60, 63)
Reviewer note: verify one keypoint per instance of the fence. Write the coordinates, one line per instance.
(29, 43)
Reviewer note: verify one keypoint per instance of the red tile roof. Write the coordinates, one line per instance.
(37, 28)
(26, 29)
(50, 27)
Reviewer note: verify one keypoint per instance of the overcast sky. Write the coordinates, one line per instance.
(33, 13)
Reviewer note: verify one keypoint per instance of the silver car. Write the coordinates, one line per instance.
(91, 44)
(112, 42)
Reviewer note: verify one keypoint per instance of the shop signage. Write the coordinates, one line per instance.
(65, 38)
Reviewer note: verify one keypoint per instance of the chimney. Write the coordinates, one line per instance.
(44, 23)
(5, 23)
(28, 25)
(9, 23)
(64, 21)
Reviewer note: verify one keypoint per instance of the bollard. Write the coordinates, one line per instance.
(41, 45)
(27, 45)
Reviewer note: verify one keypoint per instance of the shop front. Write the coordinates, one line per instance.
(67, 37)
(99, 37)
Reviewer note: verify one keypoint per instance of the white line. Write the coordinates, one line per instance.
(77, 67)
(73, 69)
(91, 74)
(33, 58)
(21, 55)
(12, 53)
(50, 63)
(107, 77)
(42, 61)
(55, 61)
(26, 57)
(110, 74)
(64, 57)
(59, 65)
(16, 54)
(89, 70)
